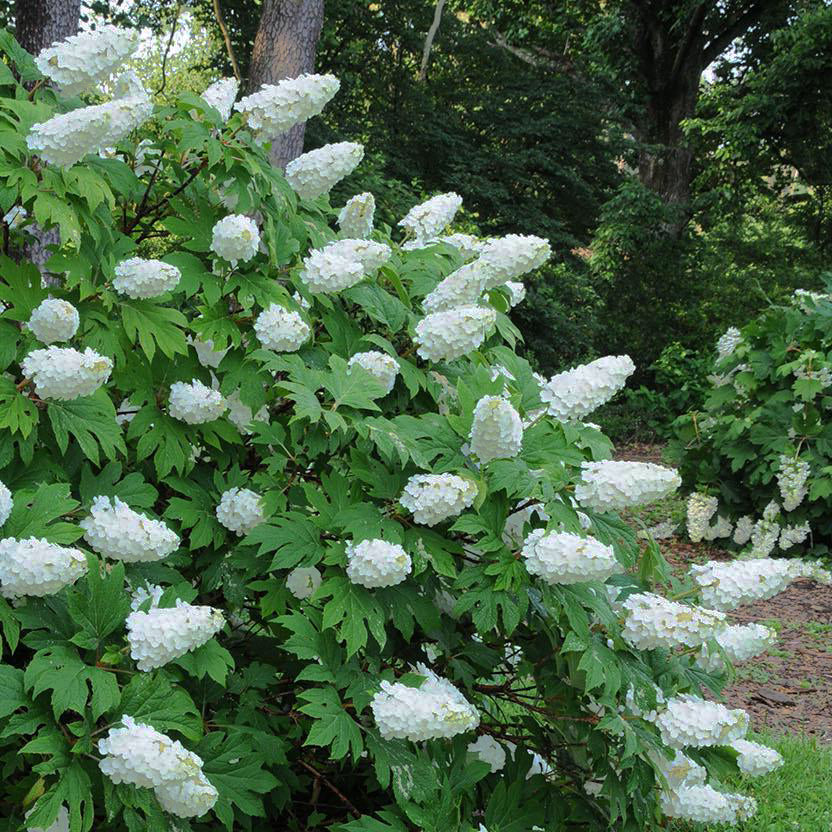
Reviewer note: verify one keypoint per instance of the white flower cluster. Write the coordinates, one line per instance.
(382, 367)
(793, 535)
(275, 108)
(240, 510)
(612, 485)
(466, 244)
(221, 95)
(434, 710)
(342, 264)
(355, 219)
(743, 530)
(140, 755)
(35, 566)
(487, 749)
(651, 621)
(704, 804)
(63, 374)
(510, 257)
(81, 61)
(54, 320)
(194, 403)
(461, 287)
(564, 558)
(163, 634)
(140, 278)
(65, 139)
(516, 292)
(756, 759)
(691, 722)
(792, 476)
(575, 393)
(766, 532)
(433, 498)
(281, 329)
(728, 342)
(303, 581)
(725, 586)
(377, 563)
(740, 642)
(445, 336)
(497, 429)
(6, 503)
(235, 238)
(114, 530)
(427, 219)
(314, 173)
(700, 509)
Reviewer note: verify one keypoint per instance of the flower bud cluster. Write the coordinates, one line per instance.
(240, 510)
(612, 485)
(651, 621)
(377, 563)
(381, 366)
(114, 530)
(35, 566)
(434, 710)
(691, 722)
(63, 374)
(221, 95)
(355, 219)
(303, 581)
(140, 278)
(142, 756)
(433, 498)
(342, 264)
(281, 329)
(81, 61)
(235, 238)
(194, 403)
(445, 336)
(54, 320)
(564, 558)
(574, 394)
(163, 634)
(792, 476)
(275, 108)
(314, 173)
(429, 218)
(497, 429)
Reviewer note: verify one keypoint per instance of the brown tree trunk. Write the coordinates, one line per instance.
(284, 47)
(39, 23)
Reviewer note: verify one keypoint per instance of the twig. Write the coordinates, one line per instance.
(331, 786)
(170, 43)
(227, 39)
(434, 28)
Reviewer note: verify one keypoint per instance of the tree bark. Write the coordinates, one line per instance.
(284, 47)
(39, 23)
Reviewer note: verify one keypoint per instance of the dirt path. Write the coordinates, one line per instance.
(789, 688)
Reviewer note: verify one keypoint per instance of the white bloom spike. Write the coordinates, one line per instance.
(161, 635)
(275, 108)
(461, 287)
(740, 642)
(512, 256)
(756, 759)
(235, 238)
(381, 366)
(563, 558)
(240, 510)
(689, 721)
(700, 509)
(342, 264)
(497, 429)
(429, 218)
(140, 278)
(651, 621)
(303, 581)
(315, 173)
(611, 485)
(63, 374)
(114, 530)
(377, 563)
(445, 336)
(704, 804)
(434, 710)
(281, 329)
(54, 320)
(433, 498)
(194, 403)
(574, 394)
(728, 342)
(355, 219)
(792, 477)
(36, 567)
(82, 61)
(221, 95)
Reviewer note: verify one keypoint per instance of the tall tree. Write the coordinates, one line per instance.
(39, 23)
(284, 47)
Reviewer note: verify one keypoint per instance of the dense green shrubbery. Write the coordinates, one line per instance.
(768, 406)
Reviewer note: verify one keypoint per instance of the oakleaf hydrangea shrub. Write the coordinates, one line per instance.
(284, 544)
(758, 457)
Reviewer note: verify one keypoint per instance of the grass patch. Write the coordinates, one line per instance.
(795, 798)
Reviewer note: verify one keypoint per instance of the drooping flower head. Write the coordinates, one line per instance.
(651, 621)
(235, 238)
(281, 329)
(564, 558)
(429, 218)
(377, 563)
(315, 173)
(355, 219)
(433, 498)
(497, 429)
(54, 320)
(574, 394)
(444, 336)
(36, 567)
(240, 510)
(194, 403)
(612, 485)
(342, 264)
(63, 374)
(140, 278)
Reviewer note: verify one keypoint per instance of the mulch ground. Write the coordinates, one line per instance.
(788, 689)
